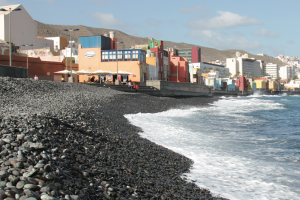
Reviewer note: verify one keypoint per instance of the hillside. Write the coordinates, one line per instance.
(207, 54)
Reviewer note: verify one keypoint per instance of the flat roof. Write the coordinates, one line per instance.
(213, 64)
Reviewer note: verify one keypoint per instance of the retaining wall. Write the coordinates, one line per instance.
(177, 87)
(16, 72)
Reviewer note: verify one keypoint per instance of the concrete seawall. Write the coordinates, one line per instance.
(167, 88)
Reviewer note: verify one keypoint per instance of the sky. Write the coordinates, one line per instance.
(257, 26)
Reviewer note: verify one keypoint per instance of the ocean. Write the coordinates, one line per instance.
(242, 147)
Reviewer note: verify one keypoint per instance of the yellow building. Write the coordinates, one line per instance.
(273, 85)
(261, 84)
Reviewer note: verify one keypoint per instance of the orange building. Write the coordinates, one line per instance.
(178, 68)
(99, 53)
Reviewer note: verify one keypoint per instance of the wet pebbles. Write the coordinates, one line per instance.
(71, 141)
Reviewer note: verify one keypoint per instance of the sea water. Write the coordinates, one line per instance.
(242, 147)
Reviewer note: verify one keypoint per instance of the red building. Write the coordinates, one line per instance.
(196, 54)
(178, 68)
(242, 83)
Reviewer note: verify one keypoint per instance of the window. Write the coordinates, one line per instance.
(120, 55)
(127, 55)
(112, 56)
(135, 55)
(104, 56)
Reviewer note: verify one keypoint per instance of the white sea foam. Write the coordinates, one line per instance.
(225, 152)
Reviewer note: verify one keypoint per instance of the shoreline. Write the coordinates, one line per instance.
(140, 168)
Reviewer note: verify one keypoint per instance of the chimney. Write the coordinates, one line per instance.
(111, 34)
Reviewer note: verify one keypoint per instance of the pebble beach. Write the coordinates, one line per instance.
(72, 141)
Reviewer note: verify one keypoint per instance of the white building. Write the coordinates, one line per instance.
(245, 65)
(58, 42)
(272, 70)
(23, 28)
(287, 72)
(67, 50)
(207, 67)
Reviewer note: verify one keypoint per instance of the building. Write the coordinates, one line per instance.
(23, 28)
(192, 54)
(245, 66)
(272, 70)
(287, 72)
(178, 68)
(153, 63)
(58, 42)
(100, 53)
(158, 47)
(219, 70)
(45, 54)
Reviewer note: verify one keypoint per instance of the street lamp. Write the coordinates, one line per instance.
(27, 45)
(10, 10)
(75, 29)
(117, 81)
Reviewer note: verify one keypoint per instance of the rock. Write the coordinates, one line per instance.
(6, 140)
(30, 193)
(20, 185)
(37, 145)
(16, 173)
(32, 180)
(47, 197)
(39, 165)
(75, 197)
(31, 173)
(24, 198)
(18, 164)
(45, 189)
(10, 193)
(2, 184)
(31, 187)
(40, 182)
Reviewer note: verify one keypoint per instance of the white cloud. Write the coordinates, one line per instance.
(223, 21)
(108, 20)
(191, 9)
(238, 33)
(291, 42)
(265, 33)
(217, 41)
(3, 3)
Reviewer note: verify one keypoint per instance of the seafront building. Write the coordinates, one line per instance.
(193, 54)
(102, 53)
(23, 28)
(204, 69)
(245, 66)
(287, 72)
(23, 32)
(178, 67)
(272, 70)
(58, 42)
